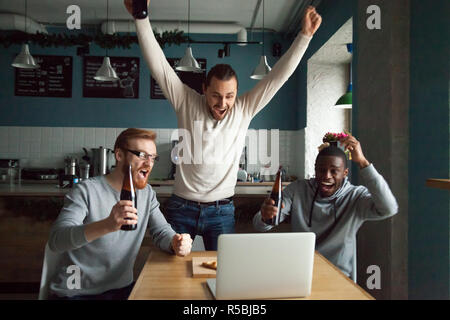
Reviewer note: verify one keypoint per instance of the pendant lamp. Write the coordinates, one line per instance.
(188, 62)
(345, 101)
(106, 71)
(24, 59)
(263, 68)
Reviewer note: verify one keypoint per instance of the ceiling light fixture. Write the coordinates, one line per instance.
(24, 60)
(345, 101)
(188, 62)
(106, 71)
(262, 69)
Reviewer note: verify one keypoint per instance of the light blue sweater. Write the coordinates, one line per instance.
(336, 219)
(107, 262)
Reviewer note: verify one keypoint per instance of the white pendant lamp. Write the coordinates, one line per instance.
(106, 71)
(263, 68)
(188, 62)
(24, 59)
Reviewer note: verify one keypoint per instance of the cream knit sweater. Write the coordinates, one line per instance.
(211, 149)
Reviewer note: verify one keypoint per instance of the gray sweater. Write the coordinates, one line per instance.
(336, 219)
(107, 262)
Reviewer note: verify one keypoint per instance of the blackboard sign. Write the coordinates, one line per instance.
(127, 69)
(193, 79)
(52, 79)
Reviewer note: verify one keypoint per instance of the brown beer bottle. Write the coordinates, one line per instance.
(128, 193)
(140, 10)
(277, 196)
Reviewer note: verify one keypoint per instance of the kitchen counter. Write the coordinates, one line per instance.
(52, 190)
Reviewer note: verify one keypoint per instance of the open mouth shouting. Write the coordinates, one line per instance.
(220, 111)
(326, 188)
(140, 177)
(143, 174)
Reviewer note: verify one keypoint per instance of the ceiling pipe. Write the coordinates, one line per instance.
(9, 21)
(112, 27)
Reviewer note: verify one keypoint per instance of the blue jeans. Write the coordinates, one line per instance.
(209, 221)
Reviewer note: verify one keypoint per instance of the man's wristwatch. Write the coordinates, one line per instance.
(140, 10)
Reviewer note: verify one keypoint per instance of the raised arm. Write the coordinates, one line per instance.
(160, 69)
(377, 202)
(258, 97)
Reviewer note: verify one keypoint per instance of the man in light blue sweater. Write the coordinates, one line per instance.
(87, 234)
(330, 206)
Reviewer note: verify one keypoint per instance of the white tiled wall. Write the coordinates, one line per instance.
(46, 147)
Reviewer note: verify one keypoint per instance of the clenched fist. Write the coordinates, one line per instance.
(182, 244)
(311, 21)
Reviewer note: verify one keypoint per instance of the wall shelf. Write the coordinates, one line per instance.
(438, 183)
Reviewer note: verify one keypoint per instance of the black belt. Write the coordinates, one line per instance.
(212, 203)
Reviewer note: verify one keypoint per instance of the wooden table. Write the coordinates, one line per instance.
(168, 277)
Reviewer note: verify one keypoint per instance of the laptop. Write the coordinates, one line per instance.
(264, 265)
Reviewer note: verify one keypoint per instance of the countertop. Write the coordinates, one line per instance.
(52, 190)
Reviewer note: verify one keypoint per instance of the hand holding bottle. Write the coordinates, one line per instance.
(269, 210)
(122, 214)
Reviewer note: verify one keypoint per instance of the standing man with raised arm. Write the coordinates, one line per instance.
(206, 178)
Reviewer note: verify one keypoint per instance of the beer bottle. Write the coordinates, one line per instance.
(277, 196)
(128, 193)
(140, 10)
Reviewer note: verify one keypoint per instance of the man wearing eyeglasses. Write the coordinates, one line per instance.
(87, 233)
(217, 121)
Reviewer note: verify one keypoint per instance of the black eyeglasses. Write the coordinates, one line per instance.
(144, 156)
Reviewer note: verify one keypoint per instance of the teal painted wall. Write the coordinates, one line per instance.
(429, 150)
(77, 111)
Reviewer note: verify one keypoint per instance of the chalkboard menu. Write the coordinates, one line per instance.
(52, 79)
(127, 69)
(193, 79)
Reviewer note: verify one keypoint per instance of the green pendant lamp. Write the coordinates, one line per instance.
(345, 102)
